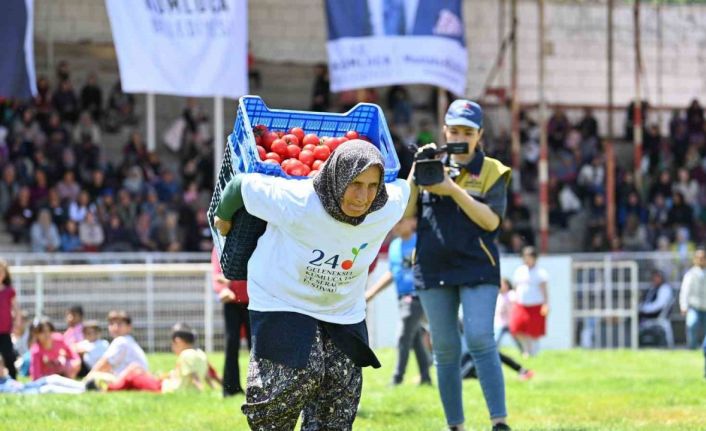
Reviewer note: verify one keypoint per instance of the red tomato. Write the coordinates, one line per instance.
(298, 132)
(306, 157)
(322, 152)
(300, 170)
(317, 165)
(274, 156)
(279, 147)
(310, 139)
(258, 140)
(260, 130)
(286, 164)
(313, 173)
(272, 161)
(267, 140)
(331, 143)
(352, 134)
(290, 139)
(280, 134)
(261, 152)
(309, 147)
(293, 151)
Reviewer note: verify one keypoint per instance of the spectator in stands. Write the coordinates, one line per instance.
(190, 374)
(134, 182)
(27, 129)
(9, 187)
(42, 101)
(44, 234)
(92, 98)
(92, 347)
(167, 187)
(591, 178)
(695, 118)
(558, 129)
(65, 102)
(79, 208)
(50, 354)
(634, 236)
(86, 127)
(9, 315)
(121, 109)
(127, 208)
(630, 116)
(168, 234)
(688, 187)
(658, 214)
(123, 350)
(68, 188)
(144, 233)
(657, 298)
(91, 233)
(680, 214)
(588, 125)
(234, 297)
(692, 300)
(20, 215)
(97, 186)
(663, 186)
(40, 188)
(409, 334)
(117, 236)
(683, 246)
(321, 92)
(70, 240)
(528, 321)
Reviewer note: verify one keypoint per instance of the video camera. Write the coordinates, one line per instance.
(429, 170)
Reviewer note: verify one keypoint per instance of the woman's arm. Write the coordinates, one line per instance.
(411, 209)
(231, 201)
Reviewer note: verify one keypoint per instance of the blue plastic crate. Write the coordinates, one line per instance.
(365, 118)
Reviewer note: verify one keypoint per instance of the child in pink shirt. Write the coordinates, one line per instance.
(74, 320)
(50, 354)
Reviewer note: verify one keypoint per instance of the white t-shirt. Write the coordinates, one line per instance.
(527, 283)
(306, 261)
(124, 351)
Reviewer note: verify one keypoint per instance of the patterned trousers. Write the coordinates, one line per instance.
(327, 391)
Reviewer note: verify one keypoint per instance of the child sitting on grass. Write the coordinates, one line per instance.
(123, 351)
(50, 354)
(92, 347)
(191, 371)
(52, 384)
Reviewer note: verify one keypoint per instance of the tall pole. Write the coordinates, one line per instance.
(660, 70)
(543, 165)
(442, 103)
(637, 111)
(218, 142)
(151, 128)
(609, 153)
(515, 101)
(501, 38)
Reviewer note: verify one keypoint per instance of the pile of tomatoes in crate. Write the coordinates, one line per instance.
(298, 153)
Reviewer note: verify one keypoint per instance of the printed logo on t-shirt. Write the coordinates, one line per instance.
(324, 272)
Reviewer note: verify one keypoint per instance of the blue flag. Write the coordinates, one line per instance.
(17, 77)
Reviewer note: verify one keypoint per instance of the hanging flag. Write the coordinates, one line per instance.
(17, 76)
(181, 47)
(385, 42)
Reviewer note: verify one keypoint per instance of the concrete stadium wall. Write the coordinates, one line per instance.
(294, 31)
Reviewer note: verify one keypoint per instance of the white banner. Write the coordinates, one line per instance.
(181, 47)
(386, 42)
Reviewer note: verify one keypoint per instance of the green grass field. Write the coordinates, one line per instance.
(572, 390)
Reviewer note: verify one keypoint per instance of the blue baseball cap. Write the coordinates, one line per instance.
(464, 112)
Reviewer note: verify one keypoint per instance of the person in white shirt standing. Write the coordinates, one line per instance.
(306, 283)
(528, 318)
(692, 300)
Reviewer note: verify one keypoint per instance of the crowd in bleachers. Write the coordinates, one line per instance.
(59, 191)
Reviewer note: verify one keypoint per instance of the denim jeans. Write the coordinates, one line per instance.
(410, 336)
(441, 306)
(695, 328)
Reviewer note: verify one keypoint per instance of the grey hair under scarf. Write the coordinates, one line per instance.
(348, 161)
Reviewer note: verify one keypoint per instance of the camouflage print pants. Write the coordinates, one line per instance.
(327, 391)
